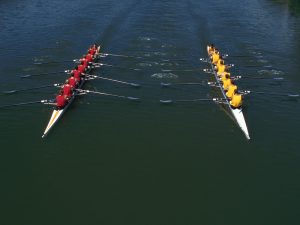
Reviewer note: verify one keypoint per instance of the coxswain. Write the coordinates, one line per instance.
(210, 49)
(61, 100)
(231, 90)
(236, 100)
(215, 57)
(221, 67)
(67, 89)
(72, 81)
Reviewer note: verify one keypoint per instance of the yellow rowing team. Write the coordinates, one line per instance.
(231, 90)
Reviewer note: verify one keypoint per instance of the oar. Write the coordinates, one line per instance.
(169, 101)
(104, 64)
(183, 70)
(249, 77)
(113, 80)
(270, 93)
(33, 88)
(41, 74)
(117, 55)
(108, 94)
(50, 62)
(171, 84)
(27, 103)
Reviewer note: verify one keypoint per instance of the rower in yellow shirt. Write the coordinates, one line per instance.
(231, 90)
(220, 67)
(224, 77)
(215, 57)
(236, 100)
(227, 83)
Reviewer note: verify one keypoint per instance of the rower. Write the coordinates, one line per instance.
(82, 67)
(231, 90)
(92, 51)
(77, 74)
(67, 89)
(220, 67)
(84, 61)
(72, 81)
(224, 78)
(215, 56)
(226, 82)
(89, 57)
(236, 100)
(61, 100)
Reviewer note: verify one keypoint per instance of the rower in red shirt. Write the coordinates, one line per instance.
(81, 67)
(77, 74)
(92, 50)
(61, 100)
(67, 90)
(89, 58)
(72, 81)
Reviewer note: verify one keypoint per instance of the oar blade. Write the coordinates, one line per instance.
(135, 85)
(293, 95)
(165, 84)
(25, 76)
(9, 92)
(133, 98)
(169, 101)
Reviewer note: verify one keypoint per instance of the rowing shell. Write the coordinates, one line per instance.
(237, 113)
(56, 114)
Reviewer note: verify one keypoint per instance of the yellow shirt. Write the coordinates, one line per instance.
(215, 58)
(231, 90)
(219, 62)
(223, 76)
(236, 100)
(226, 84)
(221, 69)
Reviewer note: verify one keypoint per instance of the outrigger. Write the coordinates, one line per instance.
(236, 112)
(57, 113)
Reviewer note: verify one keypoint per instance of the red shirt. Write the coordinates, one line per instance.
(60, 101)
(92, 51)
(72, 82)
(76, 75)
(89, 57)
(67, 89)
(81, 68)
(85, 62)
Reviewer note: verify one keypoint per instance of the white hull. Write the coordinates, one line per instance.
(237, 113)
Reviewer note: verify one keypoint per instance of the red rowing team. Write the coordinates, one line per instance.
(76, 76)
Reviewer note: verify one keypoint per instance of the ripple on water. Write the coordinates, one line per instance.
(146, 38)
(270, 72)
(144, 64)
(164, 75)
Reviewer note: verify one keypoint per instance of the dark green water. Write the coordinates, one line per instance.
(118, 162)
